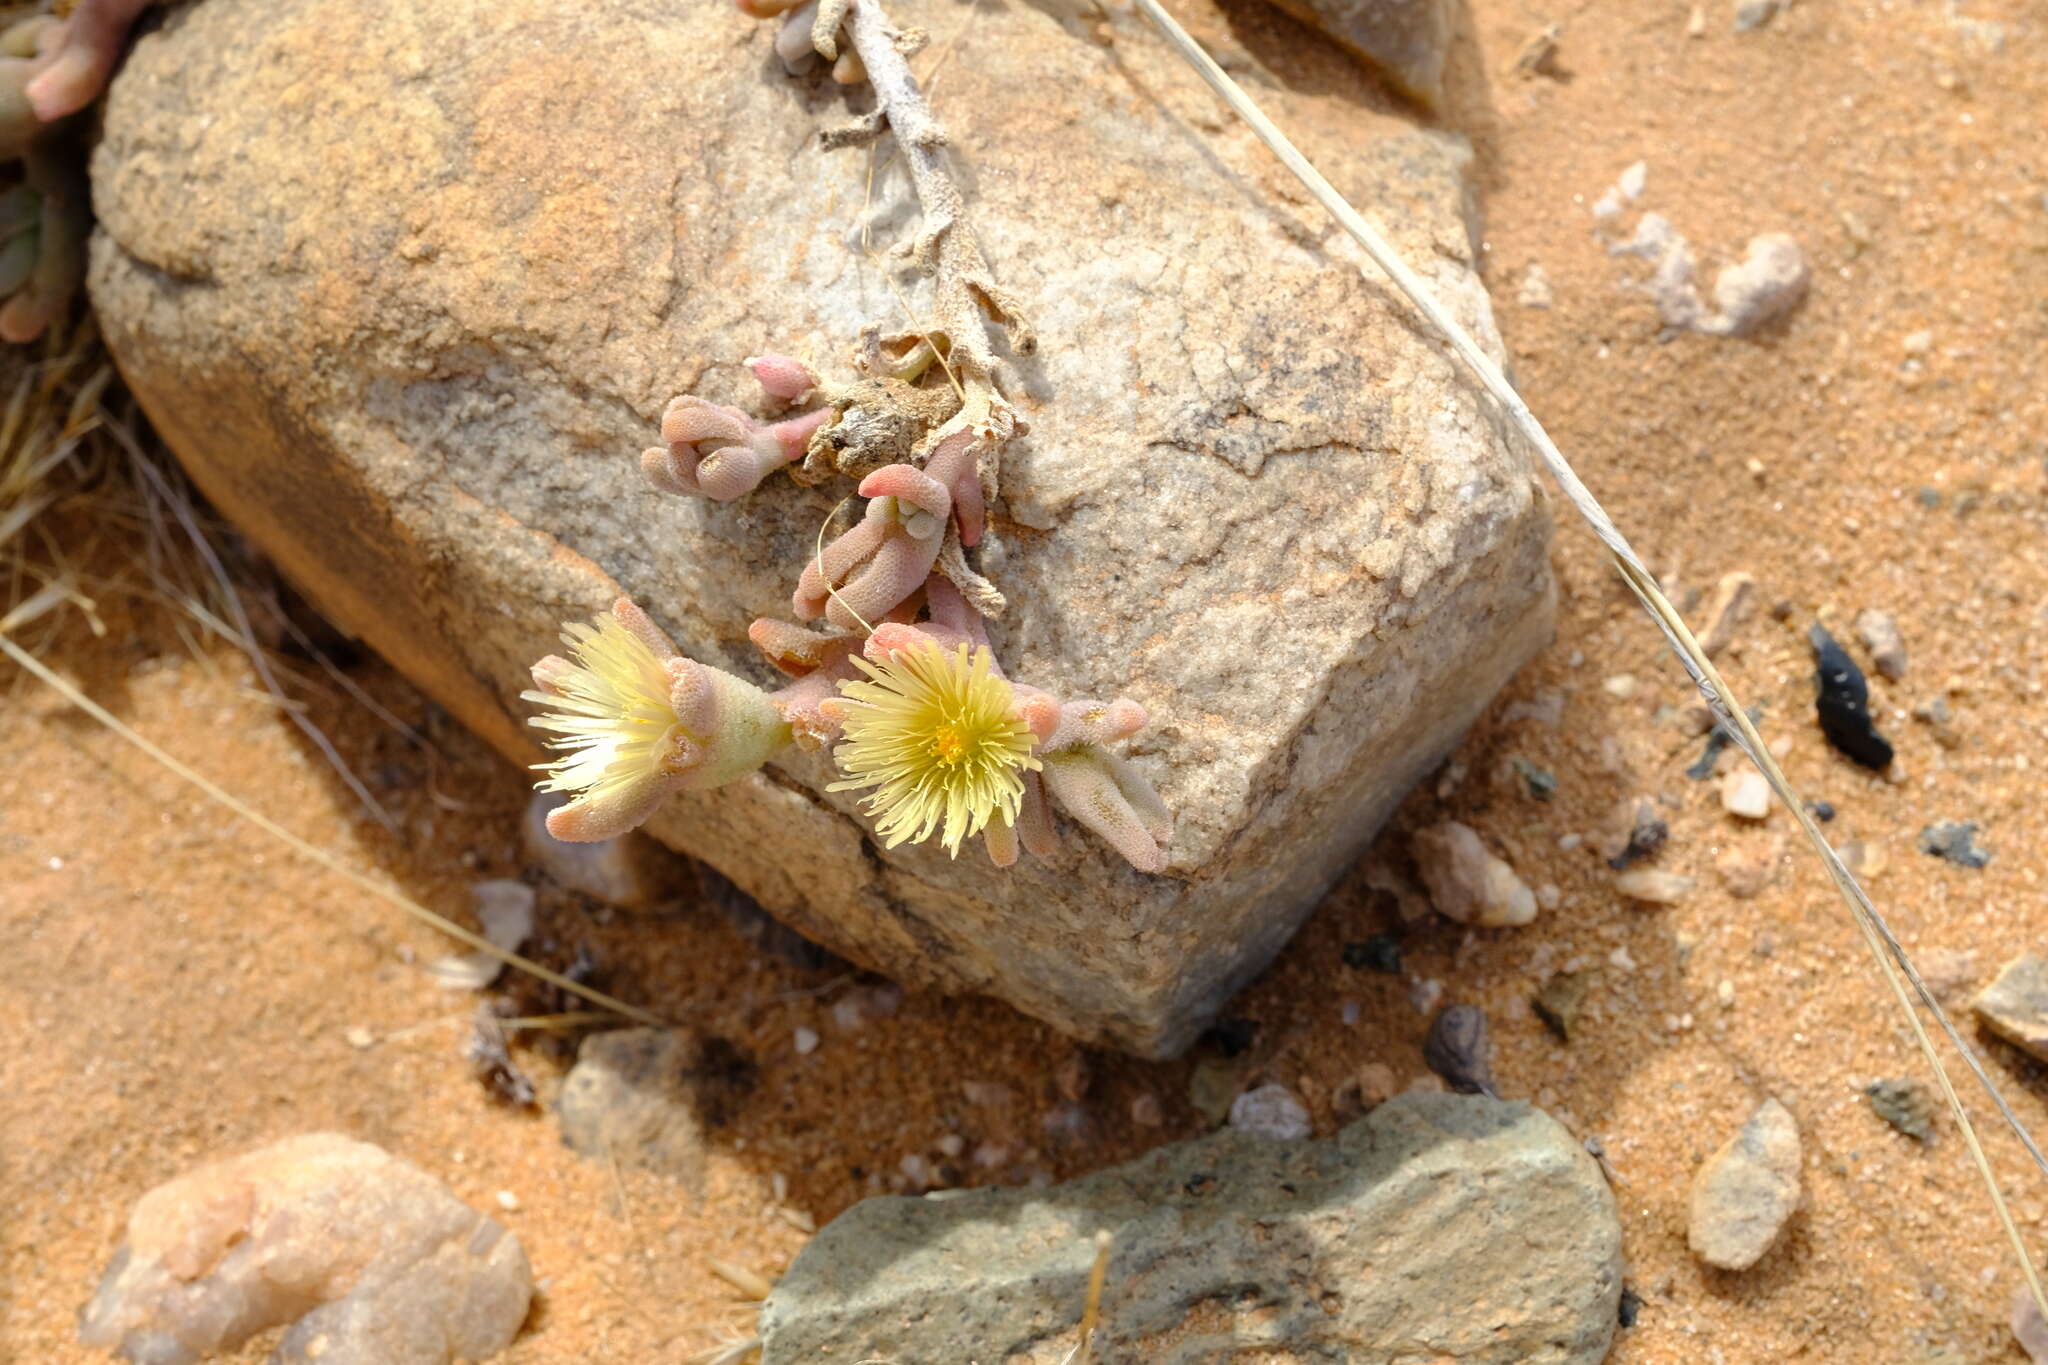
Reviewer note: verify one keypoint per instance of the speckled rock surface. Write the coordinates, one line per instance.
(407, 287)
(370, 1260)
(1439, 1227)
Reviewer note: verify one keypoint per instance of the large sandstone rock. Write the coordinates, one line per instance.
(407, 287)
(1442, 1228)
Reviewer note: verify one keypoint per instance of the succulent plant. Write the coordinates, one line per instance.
(898, 678)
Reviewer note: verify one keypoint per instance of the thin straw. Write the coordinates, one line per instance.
(319, 855)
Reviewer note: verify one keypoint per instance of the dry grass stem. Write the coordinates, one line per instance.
(752, 1284)
(1091, 1313)
(731, 1353)
(468, 937)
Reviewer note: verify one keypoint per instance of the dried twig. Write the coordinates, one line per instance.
(1884, 946)
(946, 249)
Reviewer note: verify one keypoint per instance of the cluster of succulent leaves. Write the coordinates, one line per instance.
(891, 666)
(889, 660)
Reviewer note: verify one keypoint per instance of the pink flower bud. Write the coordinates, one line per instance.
(784, 376)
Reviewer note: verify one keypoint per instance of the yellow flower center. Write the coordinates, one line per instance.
(932, 736)
(948, 745)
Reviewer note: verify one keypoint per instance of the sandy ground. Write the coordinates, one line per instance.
(179, 986)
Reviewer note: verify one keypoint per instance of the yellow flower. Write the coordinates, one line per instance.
(935, 734)
(635, 720)
(615, 723)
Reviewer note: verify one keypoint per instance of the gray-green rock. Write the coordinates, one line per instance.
(1406, 39)
(2015, 1005)
(407, 287)
(1440, 1227)
(1905, 1104)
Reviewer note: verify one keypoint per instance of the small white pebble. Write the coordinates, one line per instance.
(806, 1042)
(1350, 1014)
(1649, 885)
(1271, 1112)
(1634, 179)
(1547, 895)
(359, 1037)
(1568, 842)
(1746, 793)
(1622, 685)
(1918, 343)
(914, 1167)
(56, 864)
(507, 1201)
(1621, 961)
(1423, 994)
(951, 1145)
(1725, 993)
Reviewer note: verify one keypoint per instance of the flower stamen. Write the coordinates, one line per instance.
(933, 736)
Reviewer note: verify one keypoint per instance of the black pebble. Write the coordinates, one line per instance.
(1380, 953)
(1232, 1036)
(1822, 811)
(1645, 837)
(1631, 1305)
(1844, 704)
